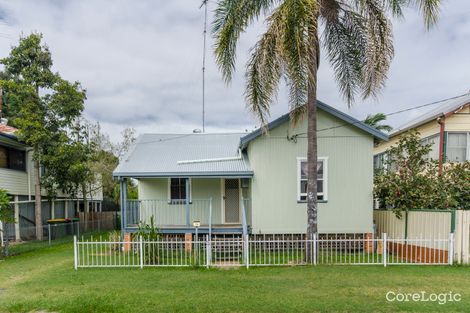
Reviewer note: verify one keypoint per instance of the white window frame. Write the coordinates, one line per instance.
(169, 190)
(325, 179)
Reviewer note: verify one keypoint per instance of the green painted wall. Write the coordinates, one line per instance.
(350, 179)
(201, 189)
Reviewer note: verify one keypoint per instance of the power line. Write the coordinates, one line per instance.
(396, 112)
(175, 137)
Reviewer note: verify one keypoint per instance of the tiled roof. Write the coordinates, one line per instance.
(7, 129)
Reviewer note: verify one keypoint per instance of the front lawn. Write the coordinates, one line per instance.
(44, 280)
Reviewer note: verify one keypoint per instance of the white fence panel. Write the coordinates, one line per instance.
(462, 237)
(271, 251)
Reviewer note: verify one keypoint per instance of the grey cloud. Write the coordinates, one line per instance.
(140, 62)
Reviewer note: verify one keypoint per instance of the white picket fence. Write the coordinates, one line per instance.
(250, 251)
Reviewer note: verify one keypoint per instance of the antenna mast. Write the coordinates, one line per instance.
(204, 3)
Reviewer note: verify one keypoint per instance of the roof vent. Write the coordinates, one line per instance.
(197, 131)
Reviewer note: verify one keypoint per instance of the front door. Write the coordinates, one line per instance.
(232, 201)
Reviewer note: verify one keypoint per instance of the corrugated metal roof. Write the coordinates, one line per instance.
(160, 155)
(448, 106)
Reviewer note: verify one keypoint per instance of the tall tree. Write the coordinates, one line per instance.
(69, 164)
(375, 120)
(128, 135)
(356, 36)
(45, 105)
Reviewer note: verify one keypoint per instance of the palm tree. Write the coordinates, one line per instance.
(375, 120)
(355, 34)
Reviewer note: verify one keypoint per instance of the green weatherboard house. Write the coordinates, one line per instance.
(252, 182)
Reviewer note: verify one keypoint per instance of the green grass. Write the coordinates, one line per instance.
(45, 280)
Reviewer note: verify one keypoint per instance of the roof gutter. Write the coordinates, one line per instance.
(244, 174)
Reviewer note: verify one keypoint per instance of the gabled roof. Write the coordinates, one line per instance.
(349, 120)
(5, 129)
(205, 155)
(8, 132)
(185, 155)
(443, 108)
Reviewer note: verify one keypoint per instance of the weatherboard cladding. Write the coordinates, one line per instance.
(157, 155)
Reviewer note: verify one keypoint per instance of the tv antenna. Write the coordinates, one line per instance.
(204, 3)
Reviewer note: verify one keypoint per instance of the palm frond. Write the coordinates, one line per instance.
(345, 40)
(231, 18)
(396, 6)
(375, 120)
(379, 50)
(430, 10)
(329, 10)
(265, 67)
(300, 47)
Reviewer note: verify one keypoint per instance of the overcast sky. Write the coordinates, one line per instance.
(140, 62)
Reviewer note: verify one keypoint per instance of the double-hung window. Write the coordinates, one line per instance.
(457, 147)
(322, 179)
(177, 190)
(12, 158)
(380, 161)
(433, 141)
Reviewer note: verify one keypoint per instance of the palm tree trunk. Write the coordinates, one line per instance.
(312, 153)
(37, 200)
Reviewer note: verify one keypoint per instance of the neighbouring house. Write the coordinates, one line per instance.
(252, 182)
(17, 178)
(446, 127)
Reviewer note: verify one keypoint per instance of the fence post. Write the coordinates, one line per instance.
(384, 248)
(49, 233)
(451, 248)
(141, 252)
(315, 249)
(247, 251)
(1, 234)
(210, 217)
(17, 219)
(75, 254)
(208, 251)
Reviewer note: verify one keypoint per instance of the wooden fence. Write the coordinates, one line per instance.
(416, 224)
(98, 221)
